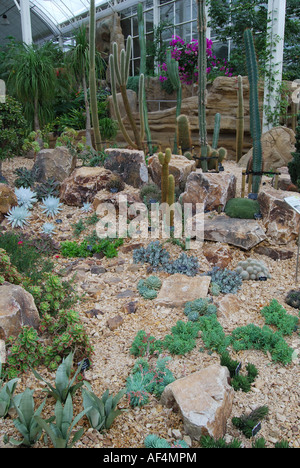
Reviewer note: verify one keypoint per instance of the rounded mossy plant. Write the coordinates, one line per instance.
(243, 208)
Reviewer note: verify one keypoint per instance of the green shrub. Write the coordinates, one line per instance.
(90, 246)
(242, 208)
(182, 339)
(12, 128)
(275, 314)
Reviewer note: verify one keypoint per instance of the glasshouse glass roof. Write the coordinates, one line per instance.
(47, 16)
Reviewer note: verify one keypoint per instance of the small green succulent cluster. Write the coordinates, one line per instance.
(228, 281)
(147, 379)
(293, 298)
(152, 441)
(247, 422)
(275, 314)
(252, 269)
(8, 272)
(149, 287)
(203, 306)
(239, 381)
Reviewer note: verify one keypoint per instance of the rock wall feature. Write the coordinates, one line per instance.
(204, 399)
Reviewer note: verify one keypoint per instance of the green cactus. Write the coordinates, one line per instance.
(255, 124)
(173, 74)
(216, 131)
(240, 121)
(92, 78)
(164, 160)
(184, 139)
(202, 66)
(142, 39)
(119, 73)
(171, 197)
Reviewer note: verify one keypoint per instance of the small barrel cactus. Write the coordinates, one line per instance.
(251, 269)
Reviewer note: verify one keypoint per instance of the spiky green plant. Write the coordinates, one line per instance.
(240, 120)
(92, 78)
(164, 160)
(184, 138)
(255, 123)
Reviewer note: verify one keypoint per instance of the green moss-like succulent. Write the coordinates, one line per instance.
(243, 208)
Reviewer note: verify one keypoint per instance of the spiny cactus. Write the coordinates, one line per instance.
(255, 124)
(216, 131)
(92, 77)
(173, 74)
(184, 138)
(143, 102)
(240, 121)
(119, 73)
(164, 160)
(171, 197)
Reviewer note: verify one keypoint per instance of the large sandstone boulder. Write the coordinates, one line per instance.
(242, 233)
(277, 146)
(83, 185)
(133, 103)
(57, 163)
(17, 308)
(130, 165)
(204, 400)
(212, 189)
(280, 220)
(179, 289)
(8, 199)
(180, 167)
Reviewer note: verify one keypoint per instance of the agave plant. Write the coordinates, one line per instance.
(6, 393)
(48, 228)
(25, 197)
(51, 206)
(18, 216)
(25, 423)
(102, 411)
(60, 431)
(64, 386)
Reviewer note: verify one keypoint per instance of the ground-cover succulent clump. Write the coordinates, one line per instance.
(149, 287)
(90, 246)
(194, 309)
(160, 260)
(228, 281)
(252, 269)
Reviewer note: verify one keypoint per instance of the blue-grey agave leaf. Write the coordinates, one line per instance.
(51, 206)
(25, 197)
(18, 216)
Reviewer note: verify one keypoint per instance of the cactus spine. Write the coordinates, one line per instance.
(255, 125)
(173, 74)
(202, 66)
(164, 160)
(119, 73)
(143, 71)
(92, 78)
(240, 121)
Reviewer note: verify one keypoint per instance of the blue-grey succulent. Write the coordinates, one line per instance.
(18, 216)
(51, 206)
(252, 269)
(48, 228)
(25, 197)
(87, 207)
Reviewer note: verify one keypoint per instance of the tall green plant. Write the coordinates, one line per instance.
(93, 83)
(142, 39)
(255, 124)
(173, 74)
(202, 81)
(240, 120)
(119, 73)
(32, 80)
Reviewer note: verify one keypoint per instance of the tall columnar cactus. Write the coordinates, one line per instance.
(142, 40)
(240, 121)
(255, 124)
(171, 197)
(202, 66)
(216, 131)
(184, 138)
(92, 78)
(164, 160)
(173, 74)
(119, 73)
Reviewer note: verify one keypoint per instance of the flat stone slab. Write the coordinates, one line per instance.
(243, 233)
(179, 289)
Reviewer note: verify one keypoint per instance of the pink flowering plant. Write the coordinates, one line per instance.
(186, 54)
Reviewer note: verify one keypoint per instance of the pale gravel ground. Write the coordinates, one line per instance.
(276, 386)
